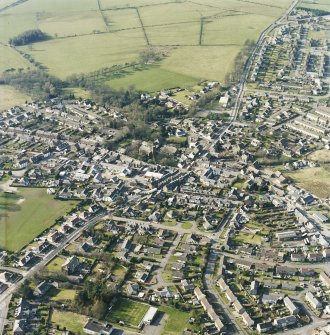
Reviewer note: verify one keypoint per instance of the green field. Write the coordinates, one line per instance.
(72, 321)
(26, 214)
(11, 59)
(11, 97)
(176, 321)
(128, 311)
(314, 180)
(64, 294)
(201, 38)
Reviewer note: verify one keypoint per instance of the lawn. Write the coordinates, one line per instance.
(186, 225)
(128, 311)
(314, 180)
(26, 214)
(55, 265)
(11, 97)
(72, 321)
(64, 294)
(176, 321)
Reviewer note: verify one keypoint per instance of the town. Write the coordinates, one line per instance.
(219, 226)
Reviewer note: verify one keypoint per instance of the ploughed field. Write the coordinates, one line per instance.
(198, 39)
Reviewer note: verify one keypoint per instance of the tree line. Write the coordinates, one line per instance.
(29, 36)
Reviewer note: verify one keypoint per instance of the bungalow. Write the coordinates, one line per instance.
(93, 327)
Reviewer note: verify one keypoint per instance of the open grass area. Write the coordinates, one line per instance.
(55, 265)
(321, 156)
(11, 97)
(186, 225)
(314, 180)
(72, 321)
(201, 38)
(64, 294)
(176, 321)
(26, 214)
(128, 311)
(158, 79)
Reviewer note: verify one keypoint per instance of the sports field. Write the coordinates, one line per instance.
(128, 311)
(201, 38)
(26, 214)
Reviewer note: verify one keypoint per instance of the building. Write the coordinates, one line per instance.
(254, 287)
(289, 304)
(325, 279)
(264, 327)
(93, 327)
(71, 265)
(313, 301)
(247, 319)
(149, 316)
(285, 321)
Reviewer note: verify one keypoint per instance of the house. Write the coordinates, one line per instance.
(230, 296)
(42, 289)
(25, 260)
(314, 302)
(270, 298)
(264, 327)
(289, 304)
(126, 246)
(71, 265)
(93, 327)
(238, 307)
(314, 257)
(285, 321)
(21, 327)
(247, 319)
(254, 287)
(325, 279)
(133, 289)
(187, 286)
(297, 257)
(285, 270)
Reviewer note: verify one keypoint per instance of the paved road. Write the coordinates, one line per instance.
(5, 297)
(160, 280)
(3, 313)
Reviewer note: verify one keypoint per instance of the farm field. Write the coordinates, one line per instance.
(201, 38)
(11, 59)
(321, 156)
(315, 180)
(128, 311)
(26, 214)
(316, 4)
(11, 97)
